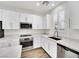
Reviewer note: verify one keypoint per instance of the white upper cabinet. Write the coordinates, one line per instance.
(14, 20)
(26, 18)
(56, 18)
(44, 21)
(37, 22)
(59, 17)
(10, 19)
(49, 21)
(6, 19)
(23, 17)
(0, 15)
(73, 14)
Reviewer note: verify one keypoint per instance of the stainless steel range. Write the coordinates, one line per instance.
(26, 41)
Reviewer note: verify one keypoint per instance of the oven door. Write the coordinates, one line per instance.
(26, 42)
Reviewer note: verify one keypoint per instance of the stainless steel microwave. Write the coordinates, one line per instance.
(25, 26)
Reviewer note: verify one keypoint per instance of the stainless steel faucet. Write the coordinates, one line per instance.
(56, 32)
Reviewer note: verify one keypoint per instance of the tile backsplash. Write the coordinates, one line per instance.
(71, 34)
(25, 31)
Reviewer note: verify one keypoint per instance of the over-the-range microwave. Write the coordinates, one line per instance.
(25, 25)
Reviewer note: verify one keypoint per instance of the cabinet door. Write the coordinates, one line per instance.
(0, 14)
(52, 47)
(59, 18)
(14, 20)
(6, 19)
(44, 22)
(27, 18)
(37, 41)
(49, 21)
(49, 46)
(67, 16)
(30, 19)
(74, 14)
(37, 22)
(43, 42)
(46, 45)
(23, 17)
(10, 19)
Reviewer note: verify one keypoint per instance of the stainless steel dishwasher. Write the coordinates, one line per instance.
(65, 52)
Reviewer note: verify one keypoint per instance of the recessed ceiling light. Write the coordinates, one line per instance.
(38, 4)
(52, 4)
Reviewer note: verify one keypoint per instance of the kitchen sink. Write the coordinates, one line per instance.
(55, 38)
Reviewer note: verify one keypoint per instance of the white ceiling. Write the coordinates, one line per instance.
(27, 6)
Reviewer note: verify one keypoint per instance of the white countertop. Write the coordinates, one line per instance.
(11, 52)
(70, 43)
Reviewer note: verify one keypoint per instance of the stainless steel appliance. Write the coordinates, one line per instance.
(1, 30)
(1, 33)
(25, 25)
(66, 52)
(26, 41)
(0, 24)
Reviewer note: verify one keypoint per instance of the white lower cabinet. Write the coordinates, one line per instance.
(52, 47)
(36, 41)
(49, 46)
(45, 44)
